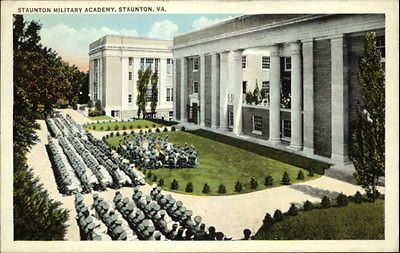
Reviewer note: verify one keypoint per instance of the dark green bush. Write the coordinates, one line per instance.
(103, 139)
(268, 180)
(311, 172)
(154, 125)
(157, 130)
(325, 202)
(358, 198)
(285, 179)
(221, 189)
(139, 127)
(149, 174)
(174, 185)
(161, 182)
(146, 126)
(206, 189)
(278, 215)
(238, 186)
(108, 128)
(300, 175)
(116, 127)
(253, 183)
(130, 126)
(117, 134)
(268, 221)
(123, 127)
(149, 130)
(189, 187)
(112, 134)
(183, 128)
(342, 200)
(308, 206)
(165, 129)
(101, 128)
(154, 178)
(293, 211)
(94, 127)
(124, 133)
(173, 128)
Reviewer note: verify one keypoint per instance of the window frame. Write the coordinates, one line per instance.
(244, 85)
(196, 64)
(285, 137)
(231, 119)
(130, 61)
(129, 98)
(254, 124)
(267, 64)
(130, 75)
(244, 62)
(169, 94)
(193, 87)
(170, 66)
(286, 63)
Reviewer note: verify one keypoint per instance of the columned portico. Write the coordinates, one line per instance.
(237, 75)
(214, 89)
(184, 112)
(308, 87)
(275, 95)
(296, 141)
(339, 100)
(202, 90)
(223, 84)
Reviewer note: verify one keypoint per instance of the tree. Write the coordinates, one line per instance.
(256, 94)
(154, 93)
(368, 139)
(142, 83)
(285, 179)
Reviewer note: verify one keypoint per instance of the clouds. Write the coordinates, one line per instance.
(73, 44)
(203, 22)
(165, 29)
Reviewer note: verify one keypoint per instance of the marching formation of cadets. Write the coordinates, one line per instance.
(82, 163)
(154, 217)
(152, 152)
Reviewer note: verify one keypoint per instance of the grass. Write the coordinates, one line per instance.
(129, 125)
(221, 163)
(103, 117)
(355, 221)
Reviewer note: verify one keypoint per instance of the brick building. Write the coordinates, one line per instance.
(113, 73)
(311, 66)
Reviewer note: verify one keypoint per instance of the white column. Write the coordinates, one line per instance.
(214, 89)
(100, 81)
(183, 90)
(91, 78)
(275, 95)
(223, 91)
(308, 88)
(296, 141)
(237, 79)
(174, 87)
(339, 100)
(202, 90)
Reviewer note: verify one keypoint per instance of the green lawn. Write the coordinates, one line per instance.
(104, 117)
(362, 221)
(129, 125)
(221, 163)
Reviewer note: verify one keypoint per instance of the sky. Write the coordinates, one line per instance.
(70, 35)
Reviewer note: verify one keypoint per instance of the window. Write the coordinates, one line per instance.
(244, 87)
(130, 61)
(148, 63)
(170, 63)
(156, 61)
(286, 129)
(265, 62)
(244, 62)
(95, 91)
(130, 75)
(265, 91)
(195, 87)
(288, 63)
(149, 94)
(171, 114)
(196, 64)
(257, 124)
(142, 64)
(380, 45)
(130, 98)
(170, 95)
(230, 118)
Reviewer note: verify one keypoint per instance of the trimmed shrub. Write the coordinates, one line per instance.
(183, 128)
(130, 126)
(311, 172)
(173, 128)
(358, 198)
(221, 189)
(293, 211)
(268, 180)
(165, 129)
(325, 202)
(189, 187)
(157, 130)
(101, 128)
(174, 185)
(103, 139)
(149, 130)
(300, 175)
(146, 126)
(141, 131)
(116, 127)
(161, 182)
(149, 174)
(285, 179)
(123, 127)
(308, 206)
(94, 127)
(139, 127)
(112, 134)
(117, 134)
(107, 136)
(342, 200)
(154, 125)
(124, 133)
(132, 132)
(206, 189)
(268, 221)
(278, 215)
(108, 128)
(238, 187)
(253, 183)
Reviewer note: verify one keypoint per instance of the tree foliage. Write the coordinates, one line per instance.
(368, 146)
(142, 83)
(154, 92)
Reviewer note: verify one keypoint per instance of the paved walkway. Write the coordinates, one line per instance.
(229, 214)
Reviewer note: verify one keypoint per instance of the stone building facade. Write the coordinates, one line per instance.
(311, 66)
(113, 73)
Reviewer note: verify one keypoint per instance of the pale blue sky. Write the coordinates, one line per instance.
(70, 35)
